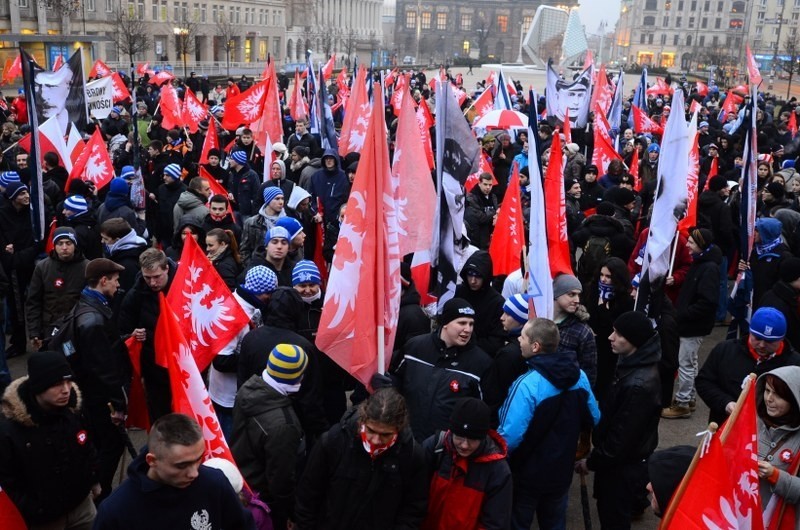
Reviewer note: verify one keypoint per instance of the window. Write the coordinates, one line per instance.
(196, 11)
(526, 23)
(649, 21)
(715, 40)
(691, 22)
(688, 40)
(651, 5)
(678, 22)
(155, 10)
(680, 5)
(796, 4)
(90, 5)
(109, 6)
(441, 21)
(177, 13)
(718, 23)
(737, 7)
(23, 3)
(650, 39)
(426, 20)
(140, 9)
(707, 6)
(203, 12)
(675, 39)
(643, 39)
(663, 39)
(411, 19)
(502, 23)
(795, 17)
(276, 43)
(466, 22)
(702, 41)
(666, 22)
(759, 31)
(720, 5)
(694, 5)
(238, 15)
(760, 15)
(704, 23)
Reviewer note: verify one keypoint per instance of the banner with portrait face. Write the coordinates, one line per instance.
(574, 95)
(62, 93)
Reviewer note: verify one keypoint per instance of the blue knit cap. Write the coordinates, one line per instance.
(517, 307)
(653, 148)
(217, 108)
(769, 228)
(118, 186)
(128, 172)
(7, 177)
(76, 203)
(292, 225)
(174, 171)
(240, 157)
(768, 324)
(277, 232)
(271, 193)
(117, 110)
(306, 271)
(260, 280)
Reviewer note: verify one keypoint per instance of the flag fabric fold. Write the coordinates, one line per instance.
(94, 163)
(171, 108)
(210, 142)
(555, 212)
(508, 239)
(356, 120)
(692, 181)
(10, 518)
(298, 108)
(193, 112)
(245, 108)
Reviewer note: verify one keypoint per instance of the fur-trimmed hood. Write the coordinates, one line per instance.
(15, 406)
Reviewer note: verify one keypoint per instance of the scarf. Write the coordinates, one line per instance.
(763, 358)
(606, 291)
(312, 298)
(97, 295)
(767, 249)
(375, 450)
(281, 388)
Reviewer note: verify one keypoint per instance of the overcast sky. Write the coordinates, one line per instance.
(593, 11)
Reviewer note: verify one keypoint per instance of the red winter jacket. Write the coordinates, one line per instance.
(468, 493)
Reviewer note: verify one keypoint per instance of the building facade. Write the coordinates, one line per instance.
(450, 30)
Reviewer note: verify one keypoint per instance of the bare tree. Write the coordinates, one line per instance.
(131, 33)
(349, 43)
(791, 46)
(483, 28)
(63, 8)
(186, 30)
(227, 32)
(327, 38)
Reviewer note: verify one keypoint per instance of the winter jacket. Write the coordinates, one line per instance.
(714, 214)
(47, 459)
(487, 303)
(628, 428)
(412, 320)
(621, 244)
(765, 270)
(479, 217)
(54, 289)
(267, 443)
(432, 377)
(342, 488)
(575, 335)
(87, 232)
(332, 187)
(542, 418)
(191, 205)
(209, 502)
(227, 268)
(699, 296)
(719, 380)
(16, 229)
(122, 209)
(243, 184)
(255, 228)
(573, 169)
(168, 196)
(507, 365)
(468, 493)
(100, 363)
(591, 195)
(227, 223)
(307, 140)
(784, 298)
(126, 252)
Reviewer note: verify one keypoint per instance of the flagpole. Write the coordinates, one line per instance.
(673, 253)
(751, 379)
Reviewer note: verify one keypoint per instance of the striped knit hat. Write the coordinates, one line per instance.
(271, 193)
(76, 204)
(65, 232)
(173, 171)
(306, 271)
(517, 307)
(240, 157)
(217, 108)
(128, 172)
(7, 177)
(287, 363)
(292, 225)
(260, 280)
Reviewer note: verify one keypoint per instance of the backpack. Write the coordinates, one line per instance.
(63, 335)
(595, 252)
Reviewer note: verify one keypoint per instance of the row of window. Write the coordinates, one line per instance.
(707, 5)
(265, 17)
(734, 23)
(465, 22)
(730, 41)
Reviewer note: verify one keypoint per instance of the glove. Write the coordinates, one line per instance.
(378, 381)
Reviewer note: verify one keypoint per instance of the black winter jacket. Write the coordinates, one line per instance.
(227, 268)
(605, 226)
(243, 184)
(765, 271)
(88, 233)
(412, 321)
(785, 299)
(53, 291)
(713, 213)
(487, 303)
(699, 295)
(479, 217)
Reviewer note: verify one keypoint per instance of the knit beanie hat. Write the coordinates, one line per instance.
(776, 190)
(717, 183)
(173, 171)
(470, 418)
(306, 271)
(46, 369)
(7, 177)
(260, 280)
(271, 193)
(635, 327)
(702, 236)
(292, 225)
(790, 269)
(65, 232)
(127, 173)
(118, 186)
(565, 283)
(455, 308)
(768, 324)
(277, 232)
(215, 152)
(76, 204)
(517, 307)
(666, 469)
(653, 148)
(14, 189)
(769, 228)
(240, 157)
(287, 363)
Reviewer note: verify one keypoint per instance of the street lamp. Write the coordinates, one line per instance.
(181, 34)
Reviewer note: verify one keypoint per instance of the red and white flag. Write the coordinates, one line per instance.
(661, 88)
(194, 111)
(216, 187)
(298, 107)
(15, 70)
(161, 77)
(210, 317)
(425, 122)
(189, 394)
(702, 89)
(10, 518)
(792, 125)
(414, 192)
(400, 92)
(58, 62)
(692, 181)
(142, 68)
(269, 128)
(603, 91)
(51, 138)
(643, 124)
(171, 108)
(245, 108)
(484, 166)
(634, 171)
(508, 239)
(99, 69)
(484, 104)
(121, 92)
(327, 69)
(694, 106)
(344, 88)
(94, 164)
(588, 60)
(354, 128)
(211, 142)
(603, 152)
(362, 302)
(752, 67)
(391, 78)
(75, 144)
(555, 212)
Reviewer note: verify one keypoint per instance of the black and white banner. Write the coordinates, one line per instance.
(100, 97)
(575, 96)
(62, 93)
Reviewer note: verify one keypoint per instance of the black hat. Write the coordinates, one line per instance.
(470, 418)
(97, 268)
(776, 190)
(702, 236)
(46, 369)
(717, 183)
(790, 269)
(621, 196)
(455, 308)
(666, 469)
(605, 208)
(635, 327)
(215, 152)
(569, 182)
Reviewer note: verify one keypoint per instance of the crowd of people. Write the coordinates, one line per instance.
(480, 401)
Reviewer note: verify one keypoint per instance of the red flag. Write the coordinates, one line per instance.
(319, 259)
(588, 60)
(121, 92)
(713, 171)
(15, 70)
(10, 518)
(604, 151)
(99, 69)
(344, 88)
(555, 213)
(193, 111)
(362, 302)
(58, 62)
(327, 69)
(702, 89)
(729, 105)
(461, 96)
(137, 405)
(171, 108)
(660, 89)
(484, 166)
(694, 106)
(4, 78)
(425, 122)
(161, 77)
(216, 187)
(752, 67)
(421, 274)
(390, 79)
(211, 142)
(634, 171)
(210, 315)
(721, 490)
(245, 108)
(354, 128)
(792, 125)
(142, 68)
(692, 178)
(484, 103)
(400, 92)
(94, 163)
(509, 233)
(567, 127)
(48, 245)
(643, 124)
(269, 128)
(603, 91)
(414, 191)
(189, 394)
(298, 108)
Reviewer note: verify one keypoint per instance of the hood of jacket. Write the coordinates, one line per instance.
(603, 225)
(190, 199)
(128, 241)
(789, 219)
(18, 404)
(713, 254)
(708, 199)
(560, 369)
(297, 195)
(410, 296)
(480, 262)
(789, 375)
(187, 220)
(330, 153)
(256, 397)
